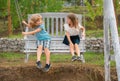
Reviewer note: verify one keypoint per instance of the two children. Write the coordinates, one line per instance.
(72, 31)
(72, 39)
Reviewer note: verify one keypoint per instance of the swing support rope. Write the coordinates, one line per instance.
(19, 14)
(20, 19)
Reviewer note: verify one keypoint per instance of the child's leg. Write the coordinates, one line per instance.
(72, 50)
(47, 53)
(39, 52)
(77, 49)
(80, 57)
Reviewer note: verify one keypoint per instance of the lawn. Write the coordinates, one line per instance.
(89, 33)
(92, 58)
(98, 33)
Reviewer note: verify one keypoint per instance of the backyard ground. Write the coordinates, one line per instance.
(13, 68)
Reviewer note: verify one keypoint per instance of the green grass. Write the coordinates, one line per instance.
(93, 58)
(94, 33)
(74, 9)
(14, 36)
(11, 55)
(97, 33)
(89, 33)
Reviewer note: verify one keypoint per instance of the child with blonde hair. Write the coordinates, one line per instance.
(43, 39)
(72, 39)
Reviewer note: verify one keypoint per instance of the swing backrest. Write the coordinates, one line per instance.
(54, 25)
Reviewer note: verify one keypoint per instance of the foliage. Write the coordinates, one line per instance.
(29, 7)
(3, 8)
(95, 10)
(116, 3)
(39, 6)
(91, 12)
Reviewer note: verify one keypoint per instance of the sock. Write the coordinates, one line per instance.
(73, 54)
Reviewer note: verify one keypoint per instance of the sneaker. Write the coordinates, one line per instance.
(39, 65)
(46, 68)
(74, 58)
(79, 58)
(82, 58)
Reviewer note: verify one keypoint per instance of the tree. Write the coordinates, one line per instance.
(116, 5)
(29, 7)
(9, 19)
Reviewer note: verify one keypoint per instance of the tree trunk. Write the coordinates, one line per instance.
(92, 2)
(9, 20)
(115, 9)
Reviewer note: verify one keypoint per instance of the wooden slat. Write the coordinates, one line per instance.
(56, 26)
(52, 51)
(61, 26)
(51, 48)
(48, 26)
(48, 14)
(44, 19)
(65, 19)
(52, 15)
(61, 39)
(112, 57)
(79, 19)
(52, 27)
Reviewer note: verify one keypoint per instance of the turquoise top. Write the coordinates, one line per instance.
(42, 35)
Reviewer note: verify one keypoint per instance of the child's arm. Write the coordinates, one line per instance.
(83, 31)
(68, 37)
(31, 32)
(26, 24)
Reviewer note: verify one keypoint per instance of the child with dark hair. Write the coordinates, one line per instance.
(72, 39)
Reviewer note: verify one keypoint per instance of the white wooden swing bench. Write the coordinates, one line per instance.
(54, 25)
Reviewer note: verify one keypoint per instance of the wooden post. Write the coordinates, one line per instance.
(9, 19)
(110, 22)
(92, 2)
(115, 37)
(106, 44)
(106, 49)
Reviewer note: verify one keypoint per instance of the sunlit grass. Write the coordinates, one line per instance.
(93, 58)
(15, 36)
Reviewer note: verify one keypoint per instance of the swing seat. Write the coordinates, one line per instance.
(54, 25)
